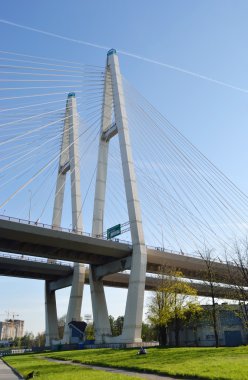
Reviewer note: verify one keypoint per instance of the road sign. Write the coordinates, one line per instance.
(113, 231)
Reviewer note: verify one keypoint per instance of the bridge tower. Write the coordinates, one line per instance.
(69, 162)
(113, 94)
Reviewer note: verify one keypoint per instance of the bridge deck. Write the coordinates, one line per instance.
(36, 241)
(59, 245)
(23, 268)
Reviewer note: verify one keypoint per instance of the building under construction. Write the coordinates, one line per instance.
(11, 329)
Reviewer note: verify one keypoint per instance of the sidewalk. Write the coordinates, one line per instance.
(139, 375)
(6, 372)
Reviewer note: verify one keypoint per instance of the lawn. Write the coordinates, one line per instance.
(206, 363)
(45, 370)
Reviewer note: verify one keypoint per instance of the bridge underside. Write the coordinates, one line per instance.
(60, 276)
(23, 268)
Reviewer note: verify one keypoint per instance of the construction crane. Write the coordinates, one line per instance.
(11, 325)
(11, 314)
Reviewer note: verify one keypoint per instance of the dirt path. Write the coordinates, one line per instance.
(116, 370)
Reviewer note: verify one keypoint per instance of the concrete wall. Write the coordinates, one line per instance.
(231, 330)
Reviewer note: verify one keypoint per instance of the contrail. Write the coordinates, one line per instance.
(54, 35)
(181, 70)
(128, 54)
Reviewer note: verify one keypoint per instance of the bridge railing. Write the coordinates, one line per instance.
(58, 228)
(34, 259)
(83, 233)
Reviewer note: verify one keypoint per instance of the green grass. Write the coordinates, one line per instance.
(205, 363)
(45, 370)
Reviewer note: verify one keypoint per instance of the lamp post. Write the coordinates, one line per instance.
(162, 235)
(30, 202)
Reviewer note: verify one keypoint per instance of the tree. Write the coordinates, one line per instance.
(111, 322)
(27, 340)
(193, 320)
(89, 331)
(238, 274)
(172, 303)
(116, 325)
(148, 332)
(61, 325)
(211, 279)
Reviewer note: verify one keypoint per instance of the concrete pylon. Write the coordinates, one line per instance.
(134, 306)
(52, 331)
(100, 312)
(69, 161)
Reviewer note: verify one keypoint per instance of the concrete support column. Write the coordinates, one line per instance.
(59, 198)
(99, 306)
(76, 297)
(69, 160)
(64, 166)
(51, 319)
(76, 199)
(135, 298)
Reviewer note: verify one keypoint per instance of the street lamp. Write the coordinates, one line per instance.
(30, 201)
(162, 235)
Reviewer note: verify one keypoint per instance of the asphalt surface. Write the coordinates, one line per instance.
(6, 372)
(116, 370)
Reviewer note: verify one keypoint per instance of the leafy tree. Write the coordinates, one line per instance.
(89, 331)
(172, 303)
(61, 325)
(17, 342)
(39, 340)
(211, 278)
(27, 340)
(116, 325)
(238, 274)
(193, 320)
(111, 322)
(148, 332)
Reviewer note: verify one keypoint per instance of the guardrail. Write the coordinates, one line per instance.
(34, 259)
(58, 228)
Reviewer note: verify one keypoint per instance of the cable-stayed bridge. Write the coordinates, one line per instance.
(55, 117)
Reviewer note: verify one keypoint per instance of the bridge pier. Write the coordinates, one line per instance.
(102, 327)
(70, 162)
(51, 319)
(113, 92)
(99, 306)
(75, 301)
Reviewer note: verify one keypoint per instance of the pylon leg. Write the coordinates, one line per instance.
(135, 298)
(76, 297)
(51, 319)
(69, 161)
(99, 306)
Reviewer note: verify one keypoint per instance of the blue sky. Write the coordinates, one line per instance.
(205, 37)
